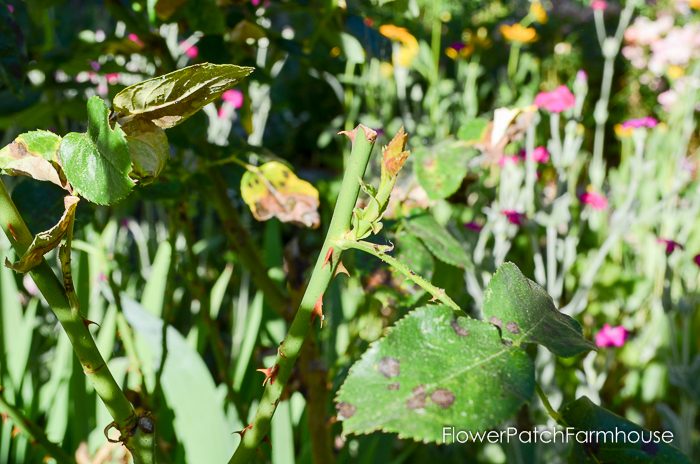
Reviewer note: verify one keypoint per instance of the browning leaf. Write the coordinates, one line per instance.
(48, 240)
(34, 154)
(273, 190)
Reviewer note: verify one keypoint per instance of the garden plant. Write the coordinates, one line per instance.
(349, 232)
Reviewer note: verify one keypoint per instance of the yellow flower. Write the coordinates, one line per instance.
(409, 44)
(675, 71)
(695, 4)
(623, 132)
(518, 33)
(538, 13)
(459, 50)
(386, 70)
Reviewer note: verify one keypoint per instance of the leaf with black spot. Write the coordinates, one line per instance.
(525, 313)
(435, 369)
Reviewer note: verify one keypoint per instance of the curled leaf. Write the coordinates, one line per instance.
(34, 154)
(273, 190)
(148, 147)
(169, 99)
(394, 154)
(48, 240)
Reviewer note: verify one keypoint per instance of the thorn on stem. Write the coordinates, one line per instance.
(12, 232)
(87, 322)
(270, 373)
(341, 269)
(318, 311)
(329, 257)
(244, 430)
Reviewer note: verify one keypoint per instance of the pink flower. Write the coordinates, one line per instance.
(134, 38)
(556, 101)
(610, 336)
(508, 159)
(192, 52)
(581, 75)
(234, 97)
(601, 5)
(514, 217)
(671, 245)
(11, 8)
(112, 78)
(594, 200)
(637, 123)
(476, 227)
(696, 259)
(539, 155)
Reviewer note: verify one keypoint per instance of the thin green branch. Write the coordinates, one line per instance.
(553, 413)
(34, 432)
(377, 250)
(135, 432)
(323, 272)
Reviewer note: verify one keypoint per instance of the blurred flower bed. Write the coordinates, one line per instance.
(559, 135)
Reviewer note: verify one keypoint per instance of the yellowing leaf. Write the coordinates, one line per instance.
(34, 154)
(48, 240)
(273, 190)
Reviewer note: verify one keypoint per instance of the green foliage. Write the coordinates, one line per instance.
(170, 99)
(97, 162)
(441, 168)
(584, 415)
(438, 240)
(525, 313)
(435, 368)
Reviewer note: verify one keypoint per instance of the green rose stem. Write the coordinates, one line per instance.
(136, 433)
(377, 250)
(34, 432)
(324, 270)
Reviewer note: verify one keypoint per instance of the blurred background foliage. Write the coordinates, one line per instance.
(321, 67)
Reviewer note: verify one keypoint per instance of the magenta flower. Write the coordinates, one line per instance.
(696, 259)
(508, 159)
(134, 38)
(11, 8)
(601, 5)
(637, 123)
(192, 52)
(556, 101)
(514, 217)
(112, 78)
(234, 97)
(476, 227)
(539, 155)
(581, 75)
(610, 336)
(671, 245)
(595, 200)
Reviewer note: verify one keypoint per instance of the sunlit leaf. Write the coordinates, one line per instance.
(525, 313)
(169, 99)
(97, 162)
(34, 154)
(273, 190)
(434, 369)
(46, 241)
